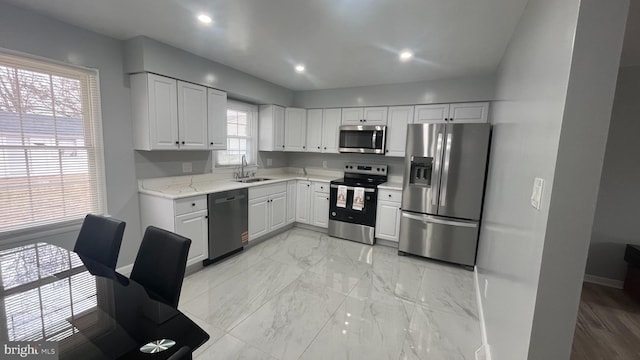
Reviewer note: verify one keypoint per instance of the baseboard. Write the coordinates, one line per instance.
(483, 353)
(125, 270)
(618, 284)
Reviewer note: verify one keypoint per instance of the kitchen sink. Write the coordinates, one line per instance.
(251, 180)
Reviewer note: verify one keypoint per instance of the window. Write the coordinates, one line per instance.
(51, 160)
(241, 135)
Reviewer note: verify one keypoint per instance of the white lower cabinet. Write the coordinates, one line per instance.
(267, 209)
(321, 209)
(388, 215)
(186, 217)
(303, 202)
(291, 201)
(258, 217)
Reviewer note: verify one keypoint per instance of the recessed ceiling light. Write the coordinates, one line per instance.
(205, 19)
(406, 55)
(299, 68)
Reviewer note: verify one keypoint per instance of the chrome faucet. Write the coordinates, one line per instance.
(242, 165)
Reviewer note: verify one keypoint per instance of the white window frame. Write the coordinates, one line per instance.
(92, 115)
(252, 114)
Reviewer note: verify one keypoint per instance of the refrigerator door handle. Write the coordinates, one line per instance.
(445, 170)
(430, 219)
(436, 168)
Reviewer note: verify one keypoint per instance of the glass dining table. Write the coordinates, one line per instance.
(53, 296)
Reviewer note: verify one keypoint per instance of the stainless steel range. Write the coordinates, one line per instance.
(353, 200)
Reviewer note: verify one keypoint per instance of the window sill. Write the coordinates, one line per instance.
(39, 232)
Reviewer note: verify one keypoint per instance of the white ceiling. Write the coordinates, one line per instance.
(342, 43)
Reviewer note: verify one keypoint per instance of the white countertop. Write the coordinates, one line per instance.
(177, 187)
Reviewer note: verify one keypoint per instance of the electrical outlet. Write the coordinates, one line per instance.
(324, 164)
(269, 162)
(536, 193)
(187, 167)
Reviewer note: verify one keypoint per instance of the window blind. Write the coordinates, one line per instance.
(51, 155)
(241, 135)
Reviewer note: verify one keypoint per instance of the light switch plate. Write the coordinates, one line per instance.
(187, 167)
(536, 194)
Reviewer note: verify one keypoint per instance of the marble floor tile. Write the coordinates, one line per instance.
(301, 248)
(448, 289)
(363, 329)
(214, 333)
(441, 335)
(225, 305)
(215, 274)
(384, 279)
(340, 274)
(286, 324)
(349, 249)
(231, 348)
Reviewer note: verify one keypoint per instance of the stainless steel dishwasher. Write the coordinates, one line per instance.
(228, 223)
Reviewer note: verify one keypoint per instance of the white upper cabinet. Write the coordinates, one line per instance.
(364, 116)
(175, 115)
(217, 119)
(155, 112)
(375, 115)
(295, 129)
(192, 116)
(352, 116)
(271, 128)
(314, 130)
(331, 119)
(399, 117)
(475, 112)
(438, 113)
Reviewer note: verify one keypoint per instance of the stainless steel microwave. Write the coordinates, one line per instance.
(365, 139)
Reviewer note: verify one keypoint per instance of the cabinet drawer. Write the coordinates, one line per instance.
(322, 187)
(390, 195)
(266, 190)
(188, 205)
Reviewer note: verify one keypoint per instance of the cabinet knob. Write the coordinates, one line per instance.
(283, 146)
(212, 143)
(327, 198)
(389, 195)
(177, 142)
(450, 119)
(206, 216)
(183, 143)
(318, 147)
(193, 204)
(304, 147)
(307, 185)
(386, 151)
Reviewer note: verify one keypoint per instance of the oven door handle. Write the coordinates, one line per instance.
(367, 190)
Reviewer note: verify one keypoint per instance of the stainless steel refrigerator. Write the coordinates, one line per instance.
(444, 178)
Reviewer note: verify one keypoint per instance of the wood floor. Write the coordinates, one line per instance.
(608, 325)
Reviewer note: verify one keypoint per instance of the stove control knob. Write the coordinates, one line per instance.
(333, 213)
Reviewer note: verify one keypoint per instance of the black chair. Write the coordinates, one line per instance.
(161, 263)
(100, 239)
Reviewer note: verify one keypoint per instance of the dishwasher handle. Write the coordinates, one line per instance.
(228, 199)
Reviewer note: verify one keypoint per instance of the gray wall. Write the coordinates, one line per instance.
(478, 88)
(516, 266)
(38, 35)
(618, 209)
(585, 125)
(145, 54)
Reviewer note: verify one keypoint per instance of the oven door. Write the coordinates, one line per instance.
(366, 216)
(362, 139)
